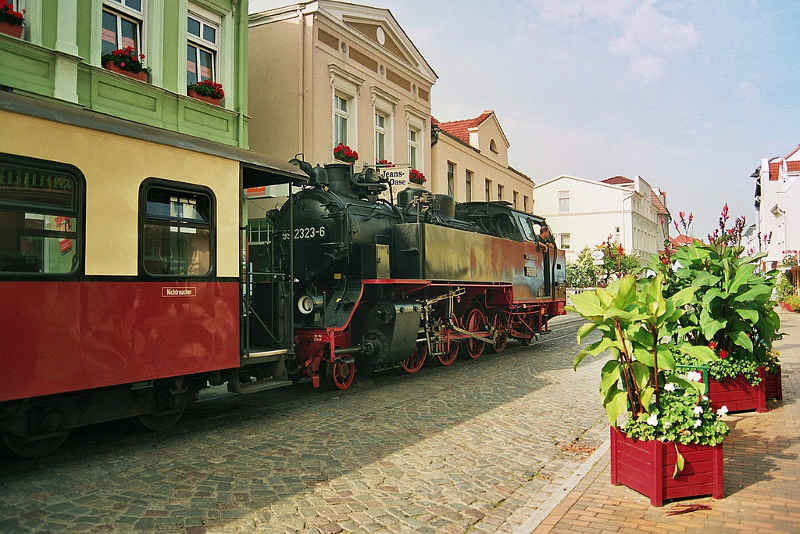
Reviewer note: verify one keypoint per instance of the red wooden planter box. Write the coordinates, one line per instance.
(647, 467)
(141, 75)
(206, 99)
(739, 396)
(13, 30)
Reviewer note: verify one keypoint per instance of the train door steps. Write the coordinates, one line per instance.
(221, 392)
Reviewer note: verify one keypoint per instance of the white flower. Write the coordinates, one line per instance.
(705, 397)
(667, 424)
(652, 420)
(694, 376)
(697, 410)
(669, 386)
(722, 411)
(697, 422)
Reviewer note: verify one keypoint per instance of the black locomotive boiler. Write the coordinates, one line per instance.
(381, 283)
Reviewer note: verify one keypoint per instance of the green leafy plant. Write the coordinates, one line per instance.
(731, 312)
(636, 324)
(784, 287)
(125, 59)
(582, 273)
(615, 261)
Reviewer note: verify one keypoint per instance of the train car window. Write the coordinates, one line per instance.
(176, 231)
(40, 217)
(526, 228)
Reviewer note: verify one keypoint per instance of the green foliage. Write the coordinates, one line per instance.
(731, 312)
(676, 420)
(793, 301)
(610, 266)
(635, 321)
(582, 273)
(784, 287)
(790, 260)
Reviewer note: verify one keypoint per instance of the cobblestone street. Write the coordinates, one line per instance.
(477, 447)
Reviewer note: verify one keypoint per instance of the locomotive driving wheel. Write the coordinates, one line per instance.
(446, 348)
(24, 447)
(500, 325)
(340, 373)
(475, 321)
(160, 422)
(414, 363)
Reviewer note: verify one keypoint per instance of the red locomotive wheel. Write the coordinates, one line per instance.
(415, 362)
(501, 332)
(341, 373)
(448, 350)
(475, 321)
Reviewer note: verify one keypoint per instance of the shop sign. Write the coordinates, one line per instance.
(396, 177)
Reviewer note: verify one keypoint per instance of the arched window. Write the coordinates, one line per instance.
(493, 146)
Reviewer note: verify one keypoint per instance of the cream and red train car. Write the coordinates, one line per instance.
(120, 273)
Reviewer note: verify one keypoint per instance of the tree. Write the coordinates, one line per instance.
(582, 273)
(615, 261)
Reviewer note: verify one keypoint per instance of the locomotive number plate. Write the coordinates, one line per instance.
(308, 232)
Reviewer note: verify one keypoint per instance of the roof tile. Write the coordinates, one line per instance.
(460, 129)
(617, 180)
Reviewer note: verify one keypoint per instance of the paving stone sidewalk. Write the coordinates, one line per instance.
(761, 472)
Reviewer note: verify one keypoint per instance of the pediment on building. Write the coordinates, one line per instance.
(380, 29)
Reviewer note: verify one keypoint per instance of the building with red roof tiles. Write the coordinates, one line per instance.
(469, 160)
(584, 213)
(777, 199)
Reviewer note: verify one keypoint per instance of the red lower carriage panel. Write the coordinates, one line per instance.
(648, 466)
(739, 396)
(70, 336)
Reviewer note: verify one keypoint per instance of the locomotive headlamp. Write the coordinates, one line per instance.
(305, 304)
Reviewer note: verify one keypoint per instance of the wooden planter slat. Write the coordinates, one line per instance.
(739, 396)
(647, 467)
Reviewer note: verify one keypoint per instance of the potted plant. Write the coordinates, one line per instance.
(207, 91)
(670, 445)
(416, 177)
(344, 153)
(125, 61)
(384, 163)
(733, 315)
(11, 21)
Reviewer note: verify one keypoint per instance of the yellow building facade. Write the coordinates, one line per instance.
(323, 73)
(469, 161)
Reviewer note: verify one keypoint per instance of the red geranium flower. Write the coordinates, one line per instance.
(712, 345)
(723, 354)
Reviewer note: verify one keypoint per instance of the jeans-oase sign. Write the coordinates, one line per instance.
(396, 177)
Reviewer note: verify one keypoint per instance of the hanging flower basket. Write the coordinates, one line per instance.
(207, 91)
(125, 61)
(11, 21)
(649, 466)
(344, 153)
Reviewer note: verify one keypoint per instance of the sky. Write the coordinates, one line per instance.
(689, 95)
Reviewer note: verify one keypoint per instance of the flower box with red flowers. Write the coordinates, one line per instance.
(416, 177)
(384, 163)
(125, 61)
(649, 468)
(207, 91)
(344, 153)
(11, 21)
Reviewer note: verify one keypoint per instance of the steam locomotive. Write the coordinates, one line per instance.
(381, 283)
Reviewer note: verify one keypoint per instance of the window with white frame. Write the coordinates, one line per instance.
(565, 241)
(122, 25)
(451, 179)
(202, 46)
(381, 125)
(341, 118)
(563, 201)
(413, 138)
(468, 188)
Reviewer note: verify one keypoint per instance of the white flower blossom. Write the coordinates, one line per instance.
(667, 424)
(705, 397)
(697, 422)
(697, 410)
(669, 386)
(694, 376)
(652, 420)
(722, 411)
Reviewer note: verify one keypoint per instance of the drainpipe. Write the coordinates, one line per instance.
(301, 27)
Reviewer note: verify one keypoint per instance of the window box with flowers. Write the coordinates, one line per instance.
(11, 22)
(344, 153)
(125, 61)
(416, 177)
(670, 444)
(208, 91)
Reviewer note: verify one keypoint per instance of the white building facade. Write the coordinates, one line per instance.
(778, 200)
(584, 213)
